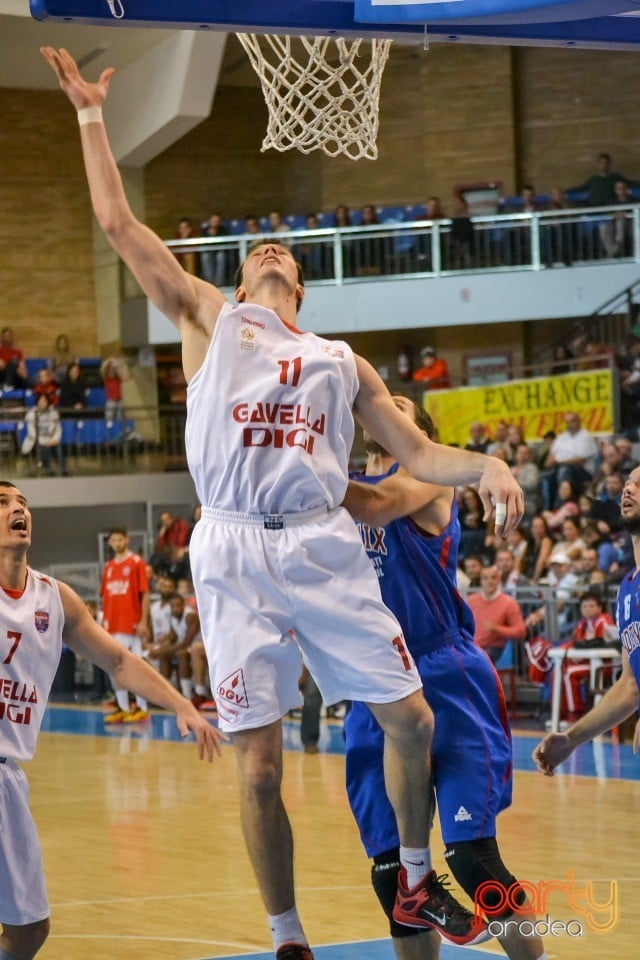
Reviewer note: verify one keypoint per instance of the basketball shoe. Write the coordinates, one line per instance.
(430, 905)
(293, 951)
(116, 716)
(137, 715)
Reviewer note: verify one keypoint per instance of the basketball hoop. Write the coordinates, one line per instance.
(322, 93)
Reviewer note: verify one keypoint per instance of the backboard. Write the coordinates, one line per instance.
(611, 24)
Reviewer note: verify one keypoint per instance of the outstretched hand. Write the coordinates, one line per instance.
(209, 739)
(499, 486)
(78, 90)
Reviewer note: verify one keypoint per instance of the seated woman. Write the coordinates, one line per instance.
(566, 505)
(72, 391)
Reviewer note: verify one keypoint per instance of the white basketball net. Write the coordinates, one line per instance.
(322, 93)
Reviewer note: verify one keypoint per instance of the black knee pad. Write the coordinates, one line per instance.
(384, 878)
(477, 862)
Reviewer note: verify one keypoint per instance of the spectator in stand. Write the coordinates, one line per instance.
(616, 234)
(367, 252)
(528, 476)
(277, 223)
(520, 547)
(46, 386)
(594, 624)
(473, 527)
(595, 356)
(542, 452)
(510, 576)
(541, 547)
(628, 362)
(61, 358)
(610, 461)
(559, 236)
(72, 390)
(627, 461)
(342, 216)
(572, 457)
(252, 224)
(515, 437)
(213, 261)
(610, 554)
(498, 617)
(566, 505)
(571, 542)
(562, 360)
(479, 441)
(13, 369)
(44, 433)
(461, 235)
(601, 186)
(473, 567)
(606, 509)
(311, 254)
(434, 209)
(188, 259)
(172, 530)
(434, 372)
(114, 373)
(499, 442)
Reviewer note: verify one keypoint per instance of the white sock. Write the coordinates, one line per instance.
(417, 863)
(186, 688)
(122, 696)
(286, 928)
(201, 690)
(142, 703)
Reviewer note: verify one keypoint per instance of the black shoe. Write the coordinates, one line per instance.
(430, 905)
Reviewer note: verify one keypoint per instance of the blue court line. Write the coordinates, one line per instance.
(372, 950)
(601, 759)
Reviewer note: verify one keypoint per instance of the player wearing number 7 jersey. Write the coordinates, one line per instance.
(269, 431)
(38, 614)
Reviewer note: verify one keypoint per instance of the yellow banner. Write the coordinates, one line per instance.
(535, 405)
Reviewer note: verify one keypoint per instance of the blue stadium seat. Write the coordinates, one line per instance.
(96, 397)
(92, 432)
(237, 227)
(18, 395)
(89, 361)
(415, 211)
(390, 214)
(34, 364)
(296, 221)
(29, 398)
(69, 432)
(326, 219)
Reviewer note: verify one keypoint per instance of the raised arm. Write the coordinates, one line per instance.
(433, 462)
(181, 297)
(83, 635)
(399, 495)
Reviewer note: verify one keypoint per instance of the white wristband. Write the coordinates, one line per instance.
(89, 115)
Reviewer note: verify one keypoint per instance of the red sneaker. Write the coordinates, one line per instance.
(431, 905)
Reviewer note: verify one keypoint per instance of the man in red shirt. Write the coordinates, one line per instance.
(13, 369)
(174, 531)
(498, 617)
(434, 372)
(125, 605)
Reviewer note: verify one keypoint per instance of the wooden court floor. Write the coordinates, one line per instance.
(145, 859)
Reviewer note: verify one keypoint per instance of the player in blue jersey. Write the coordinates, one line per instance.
(621, 701)
(411, 533)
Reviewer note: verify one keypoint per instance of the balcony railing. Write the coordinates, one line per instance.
(431, 248)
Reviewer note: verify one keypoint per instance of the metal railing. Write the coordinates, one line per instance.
(516, 241)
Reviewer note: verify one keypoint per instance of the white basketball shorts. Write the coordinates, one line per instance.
(23, 894)
(259, 578)
(130, 641)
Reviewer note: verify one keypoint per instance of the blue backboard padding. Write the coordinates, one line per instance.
(333, 16)
(490, 11)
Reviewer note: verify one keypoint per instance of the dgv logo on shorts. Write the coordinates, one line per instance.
(233, 690)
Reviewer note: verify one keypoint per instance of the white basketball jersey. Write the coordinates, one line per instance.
(160, 615)
(269, 422)
(30, 646)
(179, 627)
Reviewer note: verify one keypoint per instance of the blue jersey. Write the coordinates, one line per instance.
(628, 619)
(471, 751)
(417, 574)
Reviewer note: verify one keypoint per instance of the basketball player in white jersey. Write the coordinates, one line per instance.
(173, 650)
(37, 615)
(269, 431)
